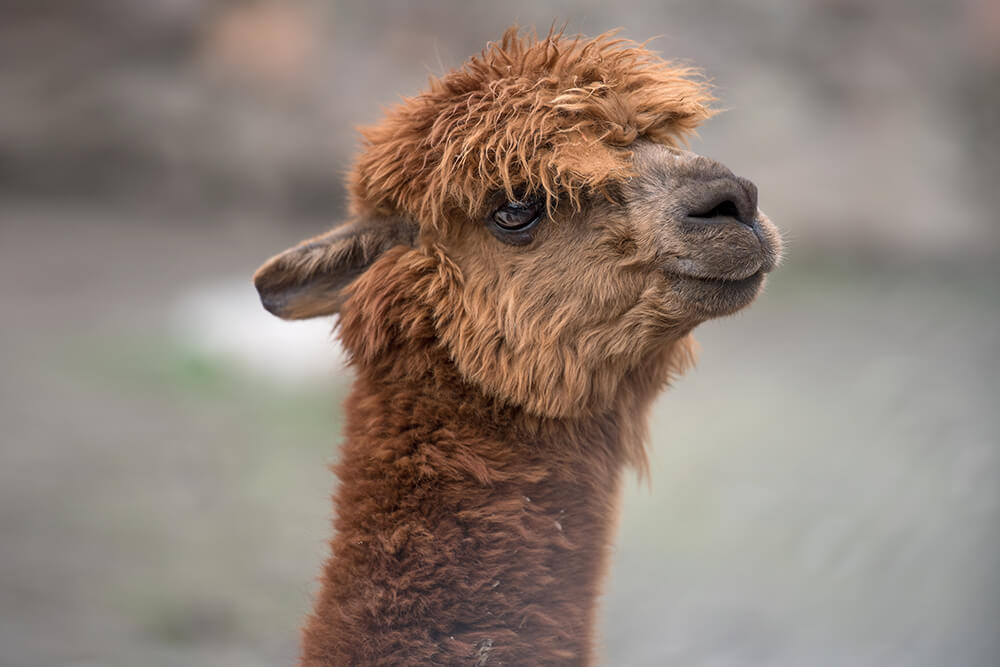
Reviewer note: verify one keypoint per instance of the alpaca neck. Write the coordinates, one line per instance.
(466, 533)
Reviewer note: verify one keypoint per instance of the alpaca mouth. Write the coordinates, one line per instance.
(731, 271)
(718, 296)
(725, 283)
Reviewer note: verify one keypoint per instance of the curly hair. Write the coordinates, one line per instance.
(552, 115)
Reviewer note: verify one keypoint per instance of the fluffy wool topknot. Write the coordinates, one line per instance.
(551, 116)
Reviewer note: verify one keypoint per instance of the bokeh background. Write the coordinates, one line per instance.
(825, 483)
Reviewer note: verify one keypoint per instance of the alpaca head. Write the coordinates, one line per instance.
(532, 215)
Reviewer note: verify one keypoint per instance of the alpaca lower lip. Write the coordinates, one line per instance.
(726, 283)
(697, 270)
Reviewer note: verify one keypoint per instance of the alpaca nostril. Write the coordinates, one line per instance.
(723, 201)
(725, 209)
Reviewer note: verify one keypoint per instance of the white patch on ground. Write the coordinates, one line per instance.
(225, 321)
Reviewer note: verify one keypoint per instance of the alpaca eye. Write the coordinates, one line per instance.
(518, 216)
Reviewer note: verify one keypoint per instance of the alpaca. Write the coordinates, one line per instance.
(527, 253)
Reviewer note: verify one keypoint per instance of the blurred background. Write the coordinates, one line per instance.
(826, 483)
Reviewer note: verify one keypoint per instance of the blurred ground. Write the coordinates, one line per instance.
(826, 483)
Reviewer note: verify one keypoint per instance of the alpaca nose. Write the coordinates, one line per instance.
(723, 198)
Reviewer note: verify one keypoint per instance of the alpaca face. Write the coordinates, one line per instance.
(682, 226)
(533, 212)
(553, 309)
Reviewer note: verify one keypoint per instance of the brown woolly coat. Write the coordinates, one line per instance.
(503, 387)
(468, 532)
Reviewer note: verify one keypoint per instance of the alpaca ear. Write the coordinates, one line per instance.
(308, 280)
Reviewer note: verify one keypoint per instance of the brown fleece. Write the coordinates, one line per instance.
(503, 380)
(548, 115)
(467, 532)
